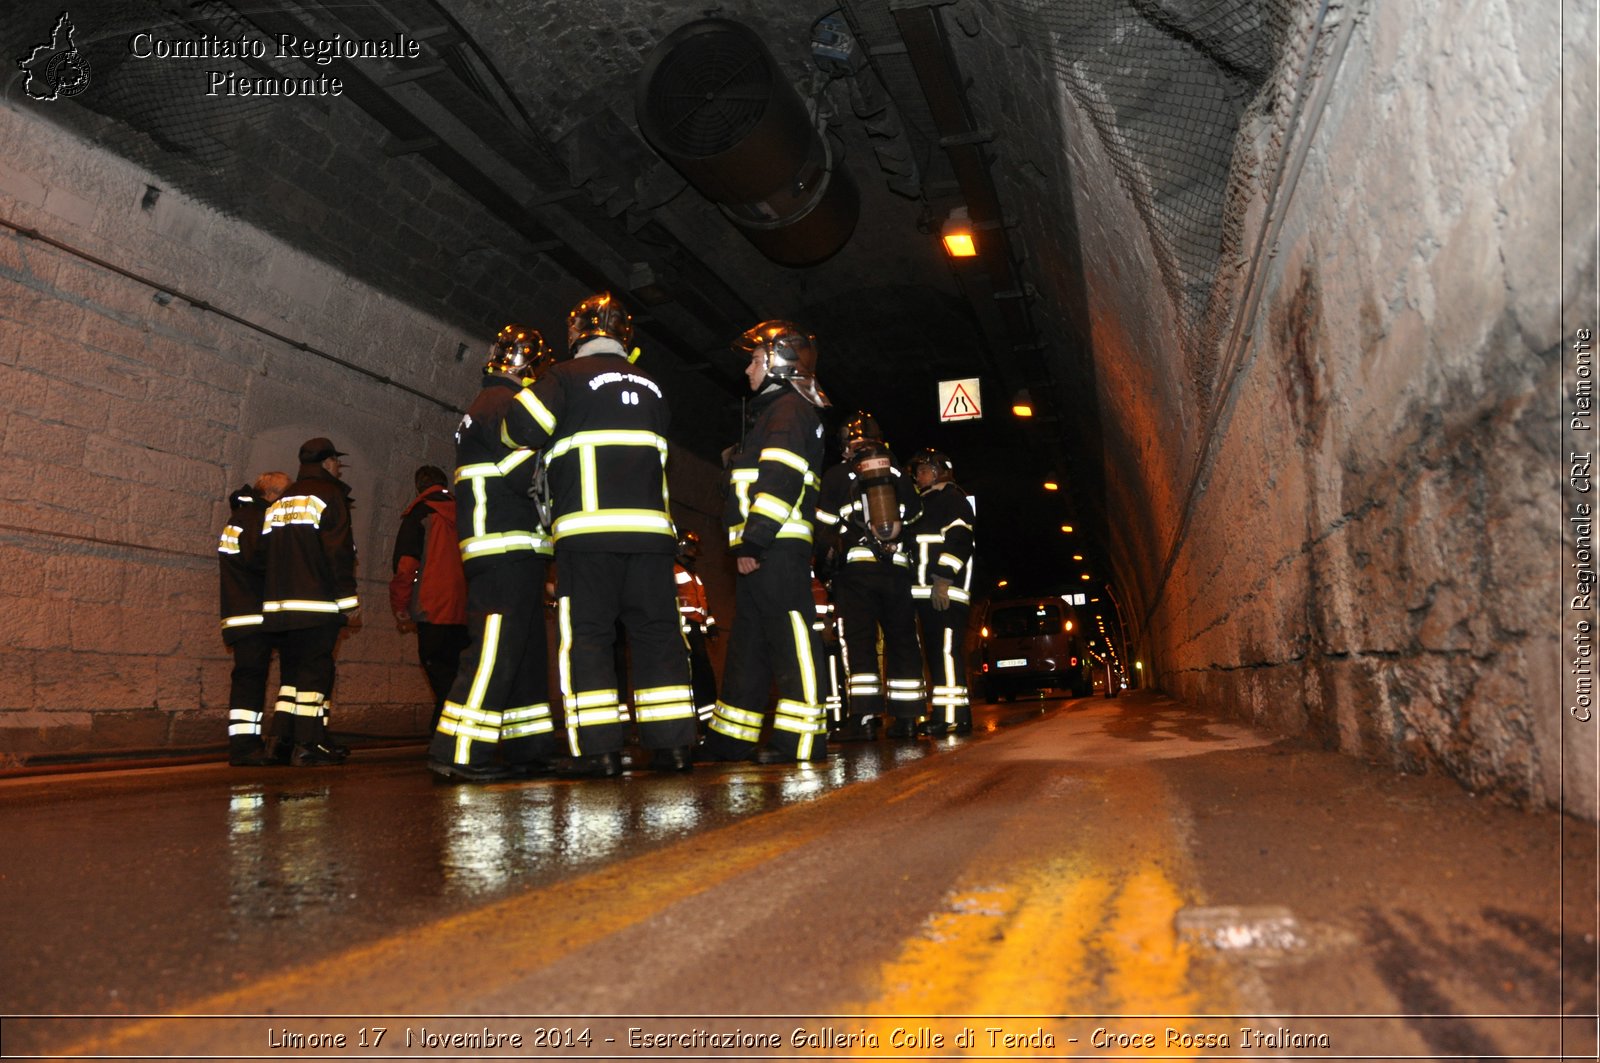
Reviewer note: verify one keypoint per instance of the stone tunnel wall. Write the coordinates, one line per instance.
(1371, 556)
(128, 417)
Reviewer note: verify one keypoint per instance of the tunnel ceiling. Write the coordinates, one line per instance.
(503, 171)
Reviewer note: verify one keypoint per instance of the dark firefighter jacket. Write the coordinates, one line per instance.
(494, 469)
(602, 424)
(774, 476)
(310, 553)
(842, 509)
(239, 557)
(943, 542)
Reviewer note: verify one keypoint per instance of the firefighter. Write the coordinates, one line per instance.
(496, 721)
(308, 596)
(428, 591)
(866, 504)
(242, 567)
(602, 424)
(774, 474)
(699, 625)
(941, 587)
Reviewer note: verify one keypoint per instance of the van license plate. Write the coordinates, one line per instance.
(1012, 662)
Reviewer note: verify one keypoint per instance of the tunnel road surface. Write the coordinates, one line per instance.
(1081, 878)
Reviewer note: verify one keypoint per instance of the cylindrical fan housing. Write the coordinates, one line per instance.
(712, 101)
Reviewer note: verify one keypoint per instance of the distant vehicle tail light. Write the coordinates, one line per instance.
(1074, 662)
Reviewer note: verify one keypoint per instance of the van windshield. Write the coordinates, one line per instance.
(1021, 621)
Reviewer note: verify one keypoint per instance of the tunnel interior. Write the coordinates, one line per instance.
(1281, 280)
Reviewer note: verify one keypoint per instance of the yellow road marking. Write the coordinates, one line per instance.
(1082, 926)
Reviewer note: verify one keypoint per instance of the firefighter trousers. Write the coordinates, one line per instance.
(595, 589)
(305, 667)
(868, 596)
(772, 645)
(247, 695)
(942, 635)
(498, 709)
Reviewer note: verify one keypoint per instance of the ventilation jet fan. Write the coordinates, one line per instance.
(712, 101)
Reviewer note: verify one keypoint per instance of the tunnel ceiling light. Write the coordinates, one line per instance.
(1067, 528)
(1022, 404)
(957, 235)
(1051, 485)
(1084, 576)
(1003, 583)
(1077, 557)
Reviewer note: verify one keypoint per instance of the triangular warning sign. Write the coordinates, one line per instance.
(959, 400)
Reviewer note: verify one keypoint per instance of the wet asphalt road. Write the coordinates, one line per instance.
(1102, 871)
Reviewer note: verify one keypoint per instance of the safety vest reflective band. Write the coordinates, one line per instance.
(229, 542)
(243, 620)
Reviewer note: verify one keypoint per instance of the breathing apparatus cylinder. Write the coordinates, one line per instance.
(874, 468)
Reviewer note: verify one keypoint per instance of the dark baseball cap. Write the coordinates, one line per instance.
(318, 449)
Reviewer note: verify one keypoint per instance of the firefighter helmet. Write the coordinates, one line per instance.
(600, 315)
(860, 428)
(688, 541)
(518, 351)
(943, 468)
(791, 356)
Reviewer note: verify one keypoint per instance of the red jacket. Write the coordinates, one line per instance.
(429, 584)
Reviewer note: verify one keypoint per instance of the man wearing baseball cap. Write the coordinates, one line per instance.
(309, 594)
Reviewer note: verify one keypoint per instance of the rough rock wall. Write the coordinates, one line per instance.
(129, 417)
(1373, 558)
(1344, 522)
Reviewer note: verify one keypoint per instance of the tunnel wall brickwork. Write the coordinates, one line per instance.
(1371, 556)
(128, 420)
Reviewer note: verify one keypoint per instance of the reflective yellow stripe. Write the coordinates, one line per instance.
(590, 698)
(294, 509)
(771, 506)
(243, 620)
(608, 438)
(537, 410)
(503, 543)
(613, 520)
(295, 605)
(654, 695)
(738, 716)
(351, 602)
(228, 542)
(481, 469)
(784, 457)
(588, 484)
(486, 658)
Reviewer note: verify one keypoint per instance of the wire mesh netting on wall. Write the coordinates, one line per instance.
(164, 116)
(1167, 86)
